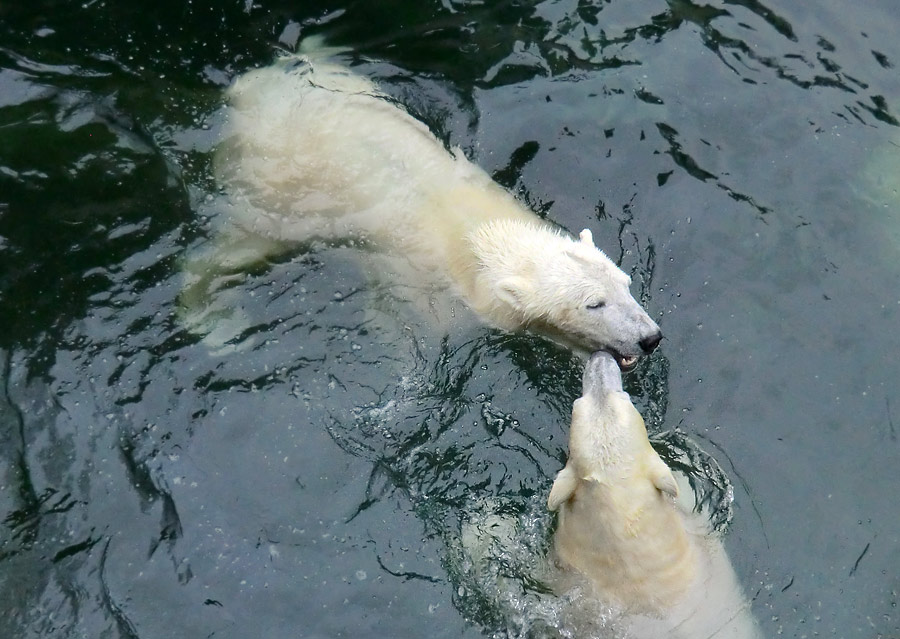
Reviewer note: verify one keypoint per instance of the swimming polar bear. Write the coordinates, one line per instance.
(620, 526)
(316, 152)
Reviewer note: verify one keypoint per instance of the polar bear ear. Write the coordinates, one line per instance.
(588, 260)
(587, 237)
(513, 289)
(662, 477)
(563, 488)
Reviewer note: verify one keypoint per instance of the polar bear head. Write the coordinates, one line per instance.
(542, 279)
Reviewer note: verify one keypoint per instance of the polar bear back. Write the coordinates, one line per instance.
(315, 150)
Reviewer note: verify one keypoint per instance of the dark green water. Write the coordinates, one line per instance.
(741, 160)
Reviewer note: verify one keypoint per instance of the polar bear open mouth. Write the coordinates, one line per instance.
(625, 362)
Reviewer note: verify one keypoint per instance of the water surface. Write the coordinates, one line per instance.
(740, 160)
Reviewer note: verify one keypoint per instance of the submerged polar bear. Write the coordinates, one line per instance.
(620, 527)
(315, 151)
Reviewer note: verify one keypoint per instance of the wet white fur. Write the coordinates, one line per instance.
(620, 526)
(314, 151)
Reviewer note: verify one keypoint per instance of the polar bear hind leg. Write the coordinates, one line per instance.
(206, 306)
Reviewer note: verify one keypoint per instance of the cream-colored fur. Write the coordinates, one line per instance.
(314, 151)
(620, 526)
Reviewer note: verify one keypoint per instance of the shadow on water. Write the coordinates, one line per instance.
(336, 461)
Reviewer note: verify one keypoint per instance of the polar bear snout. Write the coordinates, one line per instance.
(649, 344)
(602, 375)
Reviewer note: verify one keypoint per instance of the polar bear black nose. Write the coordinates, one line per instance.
(649, 344)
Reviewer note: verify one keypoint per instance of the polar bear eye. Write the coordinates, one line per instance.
(596, 304)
